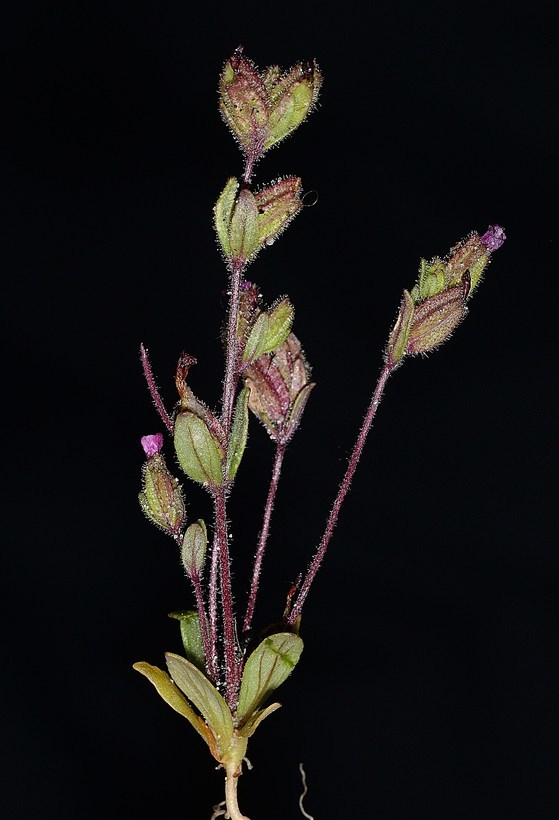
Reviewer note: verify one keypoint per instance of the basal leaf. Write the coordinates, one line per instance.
(172, 695)
(266, 669)
(203, 694)
(256, 719)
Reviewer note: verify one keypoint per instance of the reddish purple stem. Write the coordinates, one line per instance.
(220, 555)
(229, 631)
(154, 392)
(276, 472)
(231, 377)
(342, 492)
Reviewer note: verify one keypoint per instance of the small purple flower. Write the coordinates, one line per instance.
(152, 444)
(494, 237)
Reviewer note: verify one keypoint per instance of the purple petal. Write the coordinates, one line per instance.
(494, 237)
(152, 444)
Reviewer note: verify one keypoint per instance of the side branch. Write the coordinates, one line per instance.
(342, 492)
(154, 392)
(278, 461)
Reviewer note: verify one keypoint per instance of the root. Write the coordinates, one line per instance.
(218, 810)
(305, 790)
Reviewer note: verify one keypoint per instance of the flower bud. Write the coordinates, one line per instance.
(194, 545)
(245, 222)
(152, 444)
(269, 331)
(494, 237)
(262, 108)
(435, 319)
(161, 498)
(279, 389)
(437, 303)
(292, 97)
(277, 204)
(244, 102)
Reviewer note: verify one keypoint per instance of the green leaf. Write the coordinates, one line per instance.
(289, 111)
(297, 409)
(476, 271)
(239, 433)
(256, 342)
(194, 545)
(191, 635)
(243, 235)
(204, 696)
(198, 452)
(279, 325)
(171, 694)
(256, 719)
(278, 203)
(400, 333)
(266, 669)
(431, 278)
(223, 212)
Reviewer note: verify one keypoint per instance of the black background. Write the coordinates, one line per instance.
(428, 685)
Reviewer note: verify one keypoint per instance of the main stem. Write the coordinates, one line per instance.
(276, 471)
(229, 631)
(231, 377)
(342, 492)
(230, 381)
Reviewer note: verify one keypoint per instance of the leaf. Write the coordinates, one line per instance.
(280, 323)
(256, 343)
(204, 696)
(239, 433)
(198, 452)
(256, 719)
(400, 333)
(194, 545)
(172, 695)
(191, 635)
(297, 409)
(266, 669)
(243, 233)
(223, 212)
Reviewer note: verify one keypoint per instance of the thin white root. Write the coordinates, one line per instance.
(218, 811)
(305, 790)
(250, 767)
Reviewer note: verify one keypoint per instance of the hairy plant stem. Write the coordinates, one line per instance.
(221, 544)
(154, 392)
(254, 152)
(262, 540)
(212, 598)
(342, 492)
(229, 630)
(231, 377)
